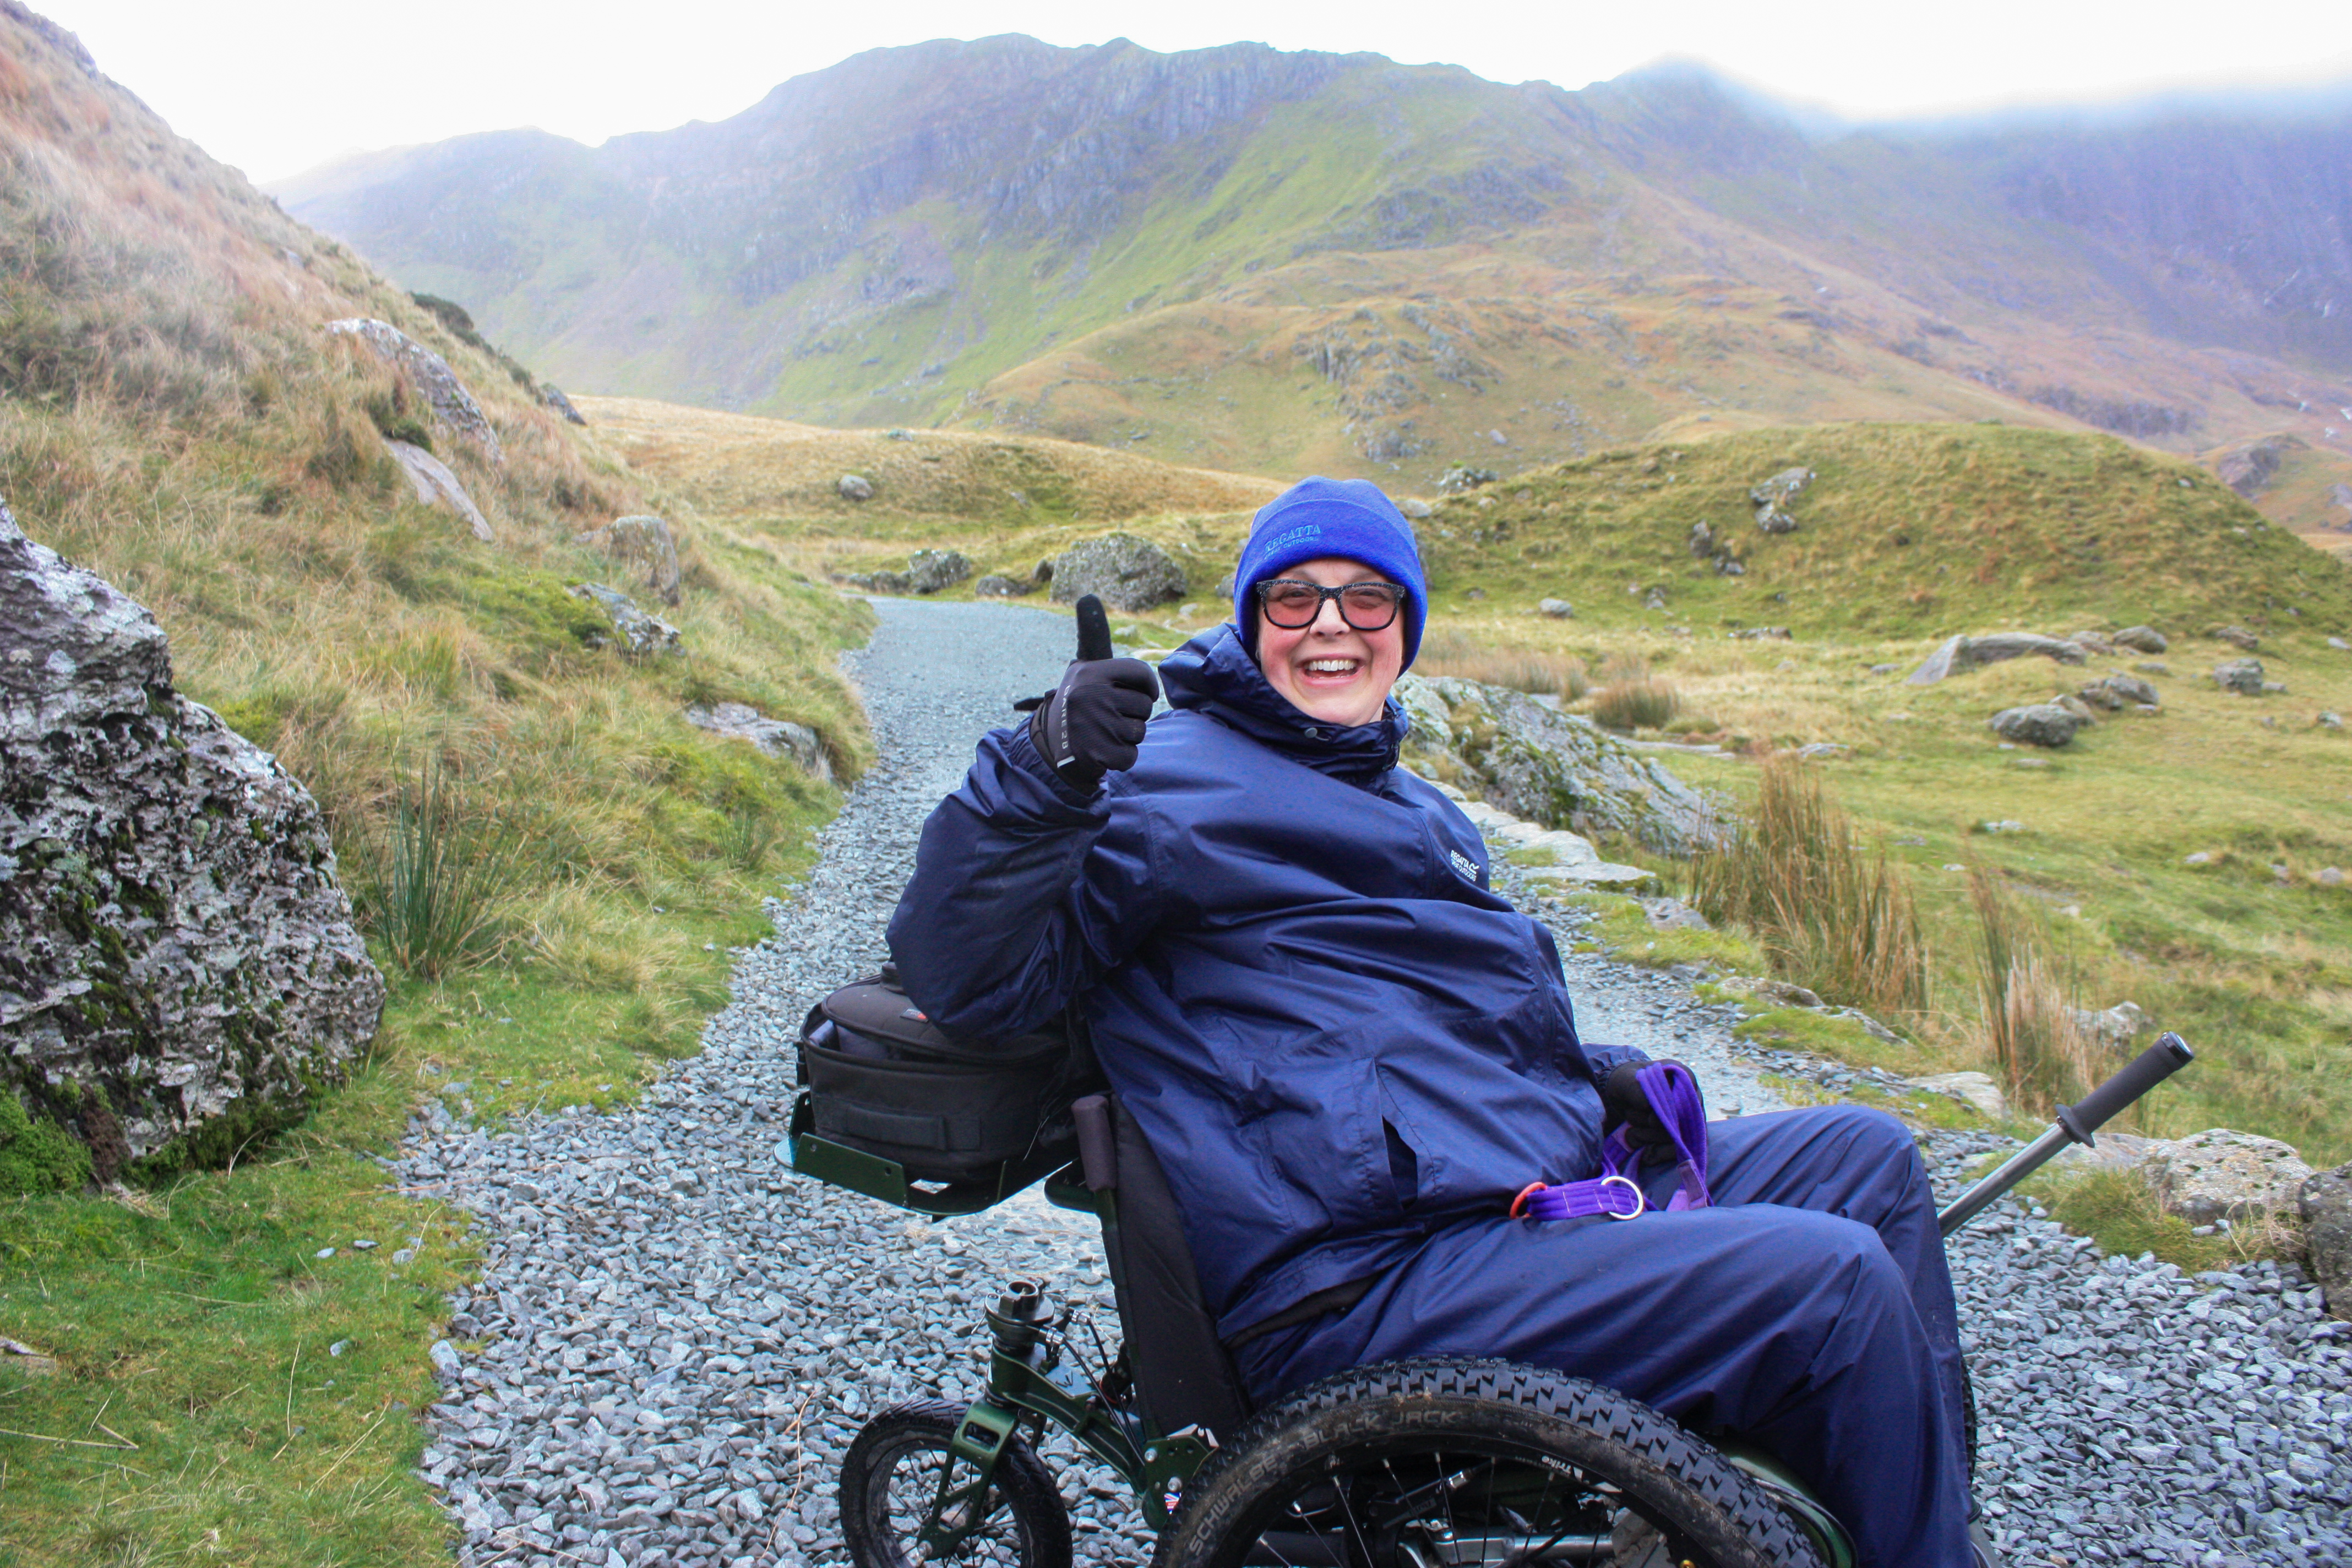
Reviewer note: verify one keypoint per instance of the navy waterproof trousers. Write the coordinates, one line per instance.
(1809, 1310)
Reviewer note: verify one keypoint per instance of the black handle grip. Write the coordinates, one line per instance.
(2152, 1066)
(1098, 1150)
(1094, 629)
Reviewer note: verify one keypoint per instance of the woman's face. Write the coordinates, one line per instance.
(1328, 669)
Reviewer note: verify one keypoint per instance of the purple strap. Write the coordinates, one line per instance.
(1674, 1094)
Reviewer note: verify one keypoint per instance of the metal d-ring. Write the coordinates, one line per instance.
(1641, 1199)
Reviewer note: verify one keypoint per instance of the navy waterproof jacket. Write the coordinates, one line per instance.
(1337, 1038)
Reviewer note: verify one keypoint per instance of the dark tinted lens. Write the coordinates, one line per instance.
(1290, 603)
(1368, 606)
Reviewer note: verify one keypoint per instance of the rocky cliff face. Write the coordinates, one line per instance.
(178, 968)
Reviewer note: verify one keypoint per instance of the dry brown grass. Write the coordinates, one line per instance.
(1447, 650)
(1829, 918)
(740, 462)
(2025, 1020)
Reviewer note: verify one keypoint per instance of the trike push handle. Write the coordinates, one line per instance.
(2150, 1068)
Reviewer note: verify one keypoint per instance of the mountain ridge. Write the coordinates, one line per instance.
(922, 235)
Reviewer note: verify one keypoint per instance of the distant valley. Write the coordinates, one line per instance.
(1280, 261)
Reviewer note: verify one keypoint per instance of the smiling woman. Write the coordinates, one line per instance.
(1332, 655)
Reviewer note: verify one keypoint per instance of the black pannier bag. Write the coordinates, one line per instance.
(884, 1080)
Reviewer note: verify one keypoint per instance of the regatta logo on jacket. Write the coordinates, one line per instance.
(1463, 864)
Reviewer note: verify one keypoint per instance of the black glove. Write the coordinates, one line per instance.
(1092, 723)
(1627, 1104)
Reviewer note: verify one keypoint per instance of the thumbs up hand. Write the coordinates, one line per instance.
(1092, 723)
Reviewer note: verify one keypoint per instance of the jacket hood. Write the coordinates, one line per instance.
(1215, 676)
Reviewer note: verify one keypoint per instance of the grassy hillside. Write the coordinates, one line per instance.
(1004, 501)
(173, 416)
(1904, 531)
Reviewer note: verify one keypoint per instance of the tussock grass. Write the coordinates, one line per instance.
(432, 899)
(1830, 918)
(1448, 651)
(1645, 702)
(2025, 1014)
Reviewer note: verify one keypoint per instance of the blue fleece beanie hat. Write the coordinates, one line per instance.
(1319, 517)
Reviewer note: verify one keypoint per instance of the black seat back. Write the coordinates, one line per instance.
(1183, 1375)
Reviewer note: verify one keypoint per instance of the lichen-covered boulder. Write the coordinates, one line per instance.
(2242, 676)
(1534, 761)
(640, 636)
(1128, 573)
(178, 966)
(778, 738)
(644, 542)
(928, 570)
(2325, 1200)
(2037, 724)
(2221, 1173)
(997, 586)
(435, 485)
(452, 407)
(2142, 639)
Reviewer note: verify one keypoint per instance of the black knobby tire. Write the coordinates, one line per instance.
(1463, 1449)
(890, 1479)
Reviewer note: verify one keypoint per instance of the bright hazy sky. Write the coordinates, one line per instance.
(279, 86)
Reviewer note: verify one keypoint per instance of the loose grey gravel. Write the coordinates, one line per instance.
(674, 1339)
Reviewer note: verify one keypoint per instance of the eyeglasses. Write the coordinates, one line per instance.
(1367, 606)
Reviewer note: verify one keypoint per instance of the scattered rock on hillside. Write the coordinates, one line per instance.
(1534, 761)
(2091, 642)
(1779, 993)
(2119, 691)
(640, 635)
(435, 485)
(2036, 724)
(643, 541)
(452, 407)
(552, 396)
(1461, 477)
(1558, 609)
(2115, 1028)
(1994, 647)
(2079, 709)
(928, 570)
(2247, 469)
(178, 965)
(1415, 507)
(2237, 637)
(2220, 1174)
(2142, 639)
(2242, 676)
(1773, 496)
(1971, 1088)
(777, 737)
(1965, 653)
(1127, 572)
(2325, 1202)
(853, 486)
(996, 586)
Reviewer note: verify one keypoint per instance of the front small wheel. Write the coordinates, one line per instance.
(890, 1483)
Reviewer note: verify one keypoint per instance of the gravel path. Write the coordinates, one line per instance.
(674, 1339)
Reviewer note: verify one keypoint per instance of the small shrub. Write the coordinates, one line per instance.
(1835, 922)
(1645, 703)
(2026, 1019)
(36, 1156)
